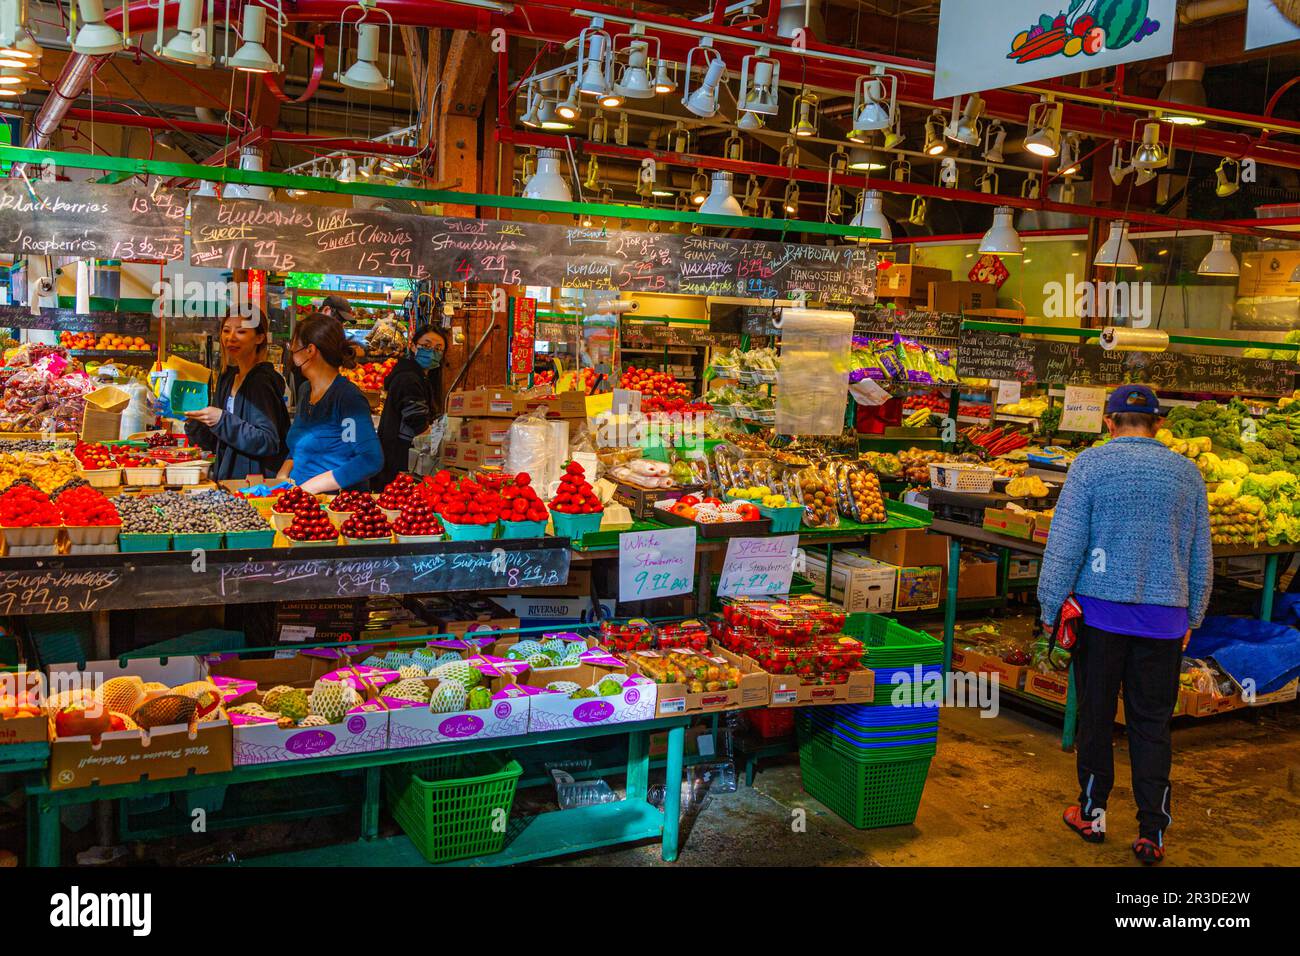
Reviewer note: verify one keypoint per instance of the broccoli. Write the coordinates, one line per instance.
(1256, 451)
(1290, 452)
(1178, 413)
(1206, 409)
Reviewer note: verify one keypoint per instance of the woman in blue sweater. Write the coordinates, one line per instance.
(332, 443)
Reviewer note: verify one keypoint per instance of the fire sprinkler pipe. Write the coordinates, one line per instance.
(822, 177)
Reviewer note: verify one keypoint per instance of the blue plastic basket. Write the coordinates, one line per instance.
(523, 529)
(469, 532)
(187, 397)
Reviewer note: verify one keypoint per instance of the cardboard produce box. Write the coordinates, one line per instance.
(485, 403)
(1280, 696)
(1024, 568)
(919, 589)
(909, 548)
(124, 756)
(327, 619)
(908, 281)
(678, 697)
(485, 431)
(1013, 524)
(1207, 705)
(102, 418)
(474, 616)
(958, 297)
(561, 610)
(977, 662)
(787, 690)
(977, 577)
(858, 582)
(412, 724)
(1053, 687)
(549, 711)
(578, 585)
(1269, 273)
(21, 691)
(564, 405)
(257, 740)
(473, 455)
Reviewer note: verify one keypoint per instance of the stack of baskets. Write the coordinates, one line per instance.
(868, 762)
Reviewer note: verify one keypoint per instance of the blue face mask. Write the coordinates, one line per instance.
(428, 358)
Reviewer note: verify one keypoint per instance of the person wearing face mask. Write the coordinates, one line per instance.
(332, 443)
(412, 396)
(246, 425)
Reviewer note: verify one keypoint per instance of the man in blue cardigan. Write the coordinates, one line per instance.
(1130, 540)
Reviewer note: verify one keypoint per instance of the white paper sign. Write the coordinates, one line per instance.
(1008, 393)
(869, 392)
(1266, 25)
(758, 566)
(656, 564)
(1082, 409)
(1031, 40)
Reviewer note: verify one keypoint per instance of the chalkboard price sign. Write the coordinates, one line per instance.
(91, 220)
(1005, 357)
(69, 320)
(911, 322)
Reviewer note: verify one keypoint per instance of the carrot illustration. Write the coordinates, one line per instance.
(1047, 43)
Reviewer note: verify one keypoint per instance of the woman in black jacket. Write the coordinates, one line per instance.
(411, 401)
(247, 423)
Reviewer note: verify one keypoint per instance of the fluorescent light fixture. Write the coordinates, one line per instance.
(870, 215)
(635, 82)
(95, 37)
(1044, 137)
(251, 57)
(1002, 238)
(760, 78)
(190, 42)
(721, 200)
(250, 160)
(1116, 251)
(1150, 153)
(1184, 86)
(1219, 261)
(934, 143)
(547, 183)
(702, 100)
(364, 73)
(805, 115)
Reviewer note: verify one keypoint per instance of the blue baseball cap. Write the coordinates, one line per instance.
(1133, 398)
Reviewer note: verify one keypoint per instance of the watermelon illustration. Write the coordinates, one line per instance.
(1120, 20)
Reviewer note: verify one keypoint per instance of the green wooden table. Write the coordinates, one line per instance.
(556, 833)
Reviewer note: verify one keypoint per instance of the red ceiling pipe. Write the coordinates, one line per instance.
(783, 173)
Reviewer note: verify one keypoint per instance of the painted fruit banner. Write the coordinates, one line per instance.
(1031, 40)
(1267, 23)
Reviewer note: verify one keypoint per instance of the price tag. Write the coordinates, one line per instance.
(1008, 392)
(1082, 409)
(296, 633)
(756, 567)
(656, 564)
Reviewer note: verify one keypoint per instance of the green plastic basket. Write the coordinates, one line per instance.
(469, 532)
(455, 807)
(203, 541)
(890, 644)
(784, 520)
(188, 397)
(251, 539)
(131, 543)
(866, 795)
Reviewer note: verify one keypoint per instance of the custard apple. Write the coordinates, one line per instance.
(609, 687)
(293, 704)
(582, 693)
(313, 720)
(480, 698)
(449, 697)
(563, 686)
(271, 699)
(412, 670)
(540, 660)
(332, 700)
(523, 649)
(250, 710)
(409, 689)
(446, 657)
(459, 671)
(557, 648)
(374, 660)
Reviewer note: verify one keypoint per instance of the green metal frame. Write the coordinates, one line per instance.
(1008, 328)
(153, 167)
(550, 834)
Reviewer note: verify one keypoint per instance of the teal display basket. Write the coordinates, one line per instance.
(452, 808)
(206, 541)
(251, 539)
(784, 520)
(523, 529)
(132, 543)
(188, 397)
(575, 526)
(469, 532)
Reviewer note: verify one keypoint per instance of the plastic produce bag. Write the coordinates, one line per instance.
(816, 492)
(138, 415)
(386, 337)
(529, 446)
(813, 374)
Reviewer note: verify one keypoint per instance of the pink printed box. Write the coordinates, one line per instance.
(412, 724)
(260, 740)
(551, 710)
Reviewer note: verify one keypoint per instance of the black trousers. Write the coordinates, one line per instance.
(1147, 669)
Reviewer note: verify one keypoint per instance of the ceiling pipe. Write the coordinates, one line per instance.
(821, 177)
(1199, 10)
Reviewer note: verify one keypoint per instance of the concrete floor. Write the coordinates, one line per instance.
(995, 795)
